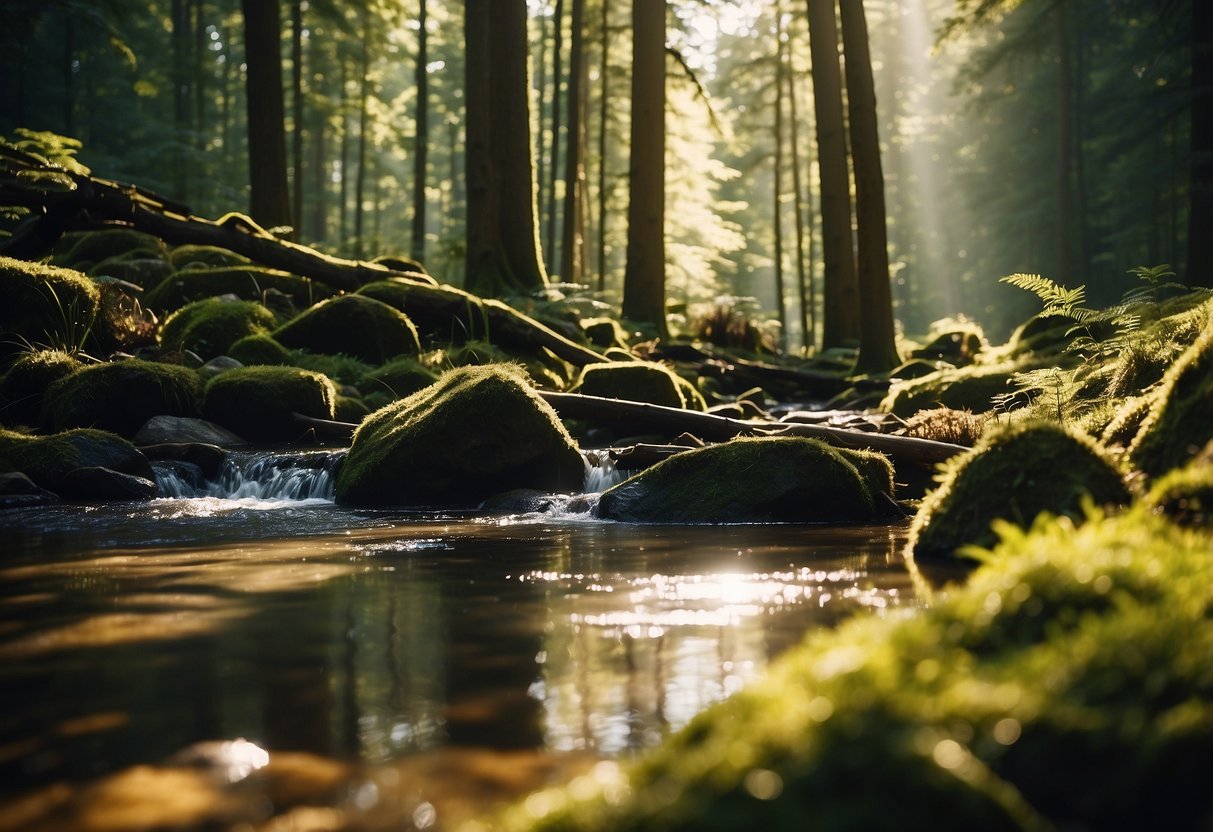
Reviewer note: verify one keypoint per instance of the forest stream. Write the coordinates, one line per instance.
(196, 660)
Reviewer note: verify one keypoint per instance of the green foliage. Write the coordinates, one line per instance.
(1013, 475)
(24, 385)
(45, 306)
(1180, 421)
(120, 396)
(1078, 650)
(257, 403)
(48, 460)
(54, 148)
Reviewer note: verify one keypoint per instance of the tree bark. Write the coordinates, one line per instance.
(269, 202)
(644, 275)
(421, 142)
(181, 87)
(840, 291)
(502, 229)
(878, 344)
(1199, 269)
(804, 280)
(554, 162)
(603, 116)
(572, 238)
(297, 107)
(781, 308)
(364, 94)
(1065, 152)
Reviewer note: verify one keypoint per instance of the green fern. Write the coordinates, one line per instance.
(1058, 300)
(1057, 386)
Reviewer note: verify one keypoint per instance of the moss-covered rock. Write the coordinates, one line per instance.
(763, 480)
(95, 246)
(958, 344)
(50, 460)
(210, 327)
(245, 282)
(969, 388)
(429, 309)
(350, 409)
(120, 396)
(477, 432)
(23, 387)
(196, 256)
(636, 381)
(257, 402)
(400, 263)
(44, 305)
(259, 349)
(399, 378)
(352, 325)
(1186, 494)
(1013, 475)
(605, 333)
(147, 272)
(1180, 422)
(1086, 650)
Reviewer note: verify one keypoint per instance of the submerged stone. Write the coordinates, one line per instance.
(258, 403)
(759, 480)
(352, 325)
(120, 396)
(100, 484)
(1180, 421)
(1013, 475)
(50, 460)
(209, 327)
(478, 431)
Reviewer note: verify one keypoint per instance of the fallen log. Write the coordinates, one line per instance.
(922, 453)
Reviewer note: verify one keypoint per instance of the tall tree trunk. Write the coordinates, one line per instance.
(364, 95)
(343, 192)
(644, 275)
(297, 120)
(181, 92)
(572, 238)
(557, 52)
(840, 291)
(1199, 269)
(225, 101)
(877, 342)
(540, 81)
(1064, 143)
(503, 252)
(198, 74)
(803, 279)
(604, 67)
(781, 307)
(270, 203)
(320, 173)
(69, 74)
(1080, 159)
(421, 132)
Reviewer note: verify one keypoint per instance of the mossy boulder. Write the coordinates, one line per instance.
(1085, 650)
(636, 381)
(44, 305)
(245, 282)
(957, 345)
(350, 409)
(143, 271)
(95, 246)
(1186, 494)
(257, 403)
(428, 307)
(478, 431)
(196, 256)
(605, 333)
(51, 460)
(1180, 421)
(25, 384)
(760, 480)
(120, 396)
(969, 388)
(399, 378)
(1013, 475)
(353, 325)
(259, 349)
(210, 327)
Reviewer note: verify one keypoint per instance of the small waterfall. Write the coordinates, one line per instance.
(257, 476)
(600, 472)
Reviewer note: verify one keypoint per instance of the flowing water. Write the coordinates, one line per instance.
(246, 650)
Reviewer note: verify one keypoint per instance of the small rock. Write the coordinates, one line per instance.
(17, 490)
(176, 430)
(105, 484)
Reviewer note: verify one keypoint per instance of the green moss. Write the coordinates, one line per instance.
(187, 256)
(210, 327)
(400, 263)
(433, 319)
(340, 368)
(398, 378)
(23, 387)
(478, 431)
(1186, 494)
(147, 272)
(257, 402)
(44, 305)
(96, 246)
(1013, 474)
(770, 479)
(637, 381)
(605, 333)
(120, 396)
(349, 409)
(48, 460)
(245, 282)
(259, 349)
(916, 368)
(958, 343)
(352, 325)
(1180, 421)
(1066, 686)
(970, 388)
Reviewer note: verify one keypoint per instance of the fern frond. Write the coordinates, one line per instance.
(1058, 300)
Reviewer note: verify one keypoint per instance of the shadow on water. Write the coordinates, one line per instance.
(388, 645)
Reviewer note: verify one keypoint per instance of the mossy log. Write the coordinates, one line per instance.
(70, 202)
(901, 449)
